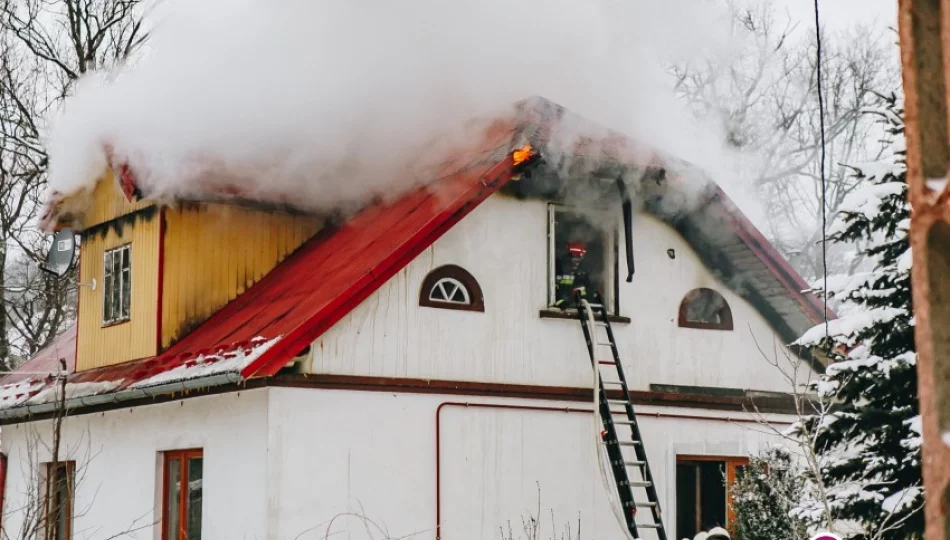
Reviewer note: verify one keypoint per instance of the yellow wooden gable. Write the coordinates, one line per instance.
(187, 260)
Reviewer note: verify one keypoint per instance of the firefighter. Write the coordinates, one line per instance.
(572, 275)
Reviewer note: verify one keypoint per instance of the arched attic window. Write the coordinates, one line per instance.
(706, 309)
(451, 287)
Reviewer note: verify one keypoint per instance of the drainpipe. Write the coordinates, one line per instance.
(627, 205)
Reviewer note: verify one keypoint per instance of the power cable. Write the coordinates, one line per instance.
(824, 215)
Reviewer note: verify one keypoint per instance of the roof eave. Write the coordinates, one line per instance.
(128, 394)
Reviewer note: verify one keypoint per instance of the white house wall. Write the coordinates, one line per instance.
(374, 454)
(118, 465)
(503, 243)
(299, 463)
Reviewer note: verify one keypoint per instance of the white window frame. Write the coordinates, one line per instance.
(460, 287)
(604, 214)
(110, 282)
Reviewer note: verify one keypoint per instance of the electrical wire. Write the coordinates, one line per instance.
(821, 172)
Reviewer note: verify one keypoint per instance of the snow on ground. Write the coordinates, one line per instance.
(213, 364)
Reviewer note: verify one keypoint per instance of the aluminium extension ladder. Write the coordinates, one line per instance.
(631, 473)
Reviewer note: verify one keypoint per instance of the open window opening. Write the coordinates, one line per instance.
(117, 285)
(706, 309)
(59, 490)
(582, 256)
(181, 503)
(451, 287)
(703, 492)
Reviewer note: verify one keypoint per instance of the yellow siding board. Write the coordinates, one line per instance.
(108, 202)
(97, 345)
(222, 250)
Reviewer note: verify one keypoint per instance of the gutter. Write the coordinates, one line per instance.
(129, 394)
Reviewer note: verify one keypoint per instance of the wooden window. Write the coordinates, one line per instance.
(451, 287)
(706, 309)
(703, 492)
(181, 500)
(581, 254)
(117, 285)
(59, 496)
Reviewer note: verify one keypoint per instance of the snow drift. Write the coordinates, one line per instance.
(333, 101)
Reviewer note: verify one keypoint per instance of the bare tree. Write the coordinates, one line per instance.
(815, 506)
(766, 100)
(45, 47)
(532, 527)
(49, 488)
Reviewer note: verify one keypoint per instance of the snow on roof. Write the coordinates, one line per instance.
(39, 390)
(211, 364)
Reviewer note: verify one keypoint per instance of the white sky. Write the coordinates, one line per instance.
(840, 13)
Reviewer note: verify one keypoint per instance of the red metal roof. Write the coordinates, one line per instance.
(333, 272)
(46, 360)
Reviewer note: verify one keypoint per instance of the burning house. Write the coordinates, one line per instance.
(246, 368)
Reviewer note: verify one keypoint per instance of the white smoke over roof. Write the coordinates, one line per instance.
(329, 100)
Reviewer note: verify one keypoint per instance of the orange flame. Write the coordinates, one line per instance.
(522, 154)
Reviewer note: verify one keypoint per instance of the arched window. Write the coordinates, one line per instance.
(705, 308)
(451, 287)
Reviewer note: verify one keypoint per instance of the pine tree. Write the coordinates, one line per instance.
(868, 445)
(764, 495)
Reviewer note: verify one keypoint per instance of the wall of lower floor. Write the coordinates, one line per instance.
(118, 465)
(302, 463)
(417, 464)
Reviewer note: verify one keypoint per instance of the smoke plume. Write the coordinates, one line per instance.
(330, 101)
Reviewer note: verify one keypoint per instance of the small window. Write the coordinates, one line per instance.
(451, 287)
(181, 504)
(581, 255)
(703, 485)
(117, 285)
(59, 486)
(706, 309)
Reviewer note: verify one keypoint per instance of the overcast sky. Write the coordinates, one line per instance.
(839, 13)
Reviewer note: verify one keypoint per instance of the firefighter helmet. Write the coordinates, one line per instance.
(576, 249)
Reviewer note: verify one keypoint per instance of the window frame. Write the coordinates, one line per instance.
(109, 284)
(611, 252)
(726, 316)
(52, 471)
(731, 464)
(183, 456)
(458, 274)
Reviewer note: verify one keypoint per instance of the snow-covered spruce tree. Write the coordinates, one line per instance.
(868, 443)
(764, 496)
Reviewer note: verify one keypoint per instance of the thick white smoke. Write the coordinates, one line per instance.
(328, 100)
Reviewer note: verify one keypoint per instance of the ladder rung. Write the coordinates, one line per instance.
(624, 422)
(628, 443)
(605, 343)
(618, 401)
(607, 362)
(617, 383)
(642, 504)
(635, 463)
(649, 525)
(637, 483)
